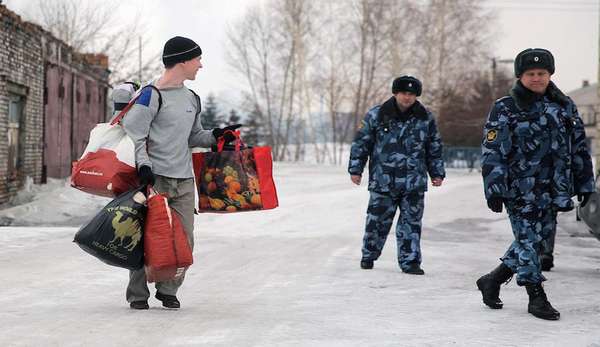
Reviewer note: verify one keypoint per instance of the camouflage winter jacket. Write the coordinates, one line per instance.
(401, 148)
(534, 149)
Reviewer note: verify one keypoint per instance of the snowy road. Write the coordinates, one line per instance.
(291, 277)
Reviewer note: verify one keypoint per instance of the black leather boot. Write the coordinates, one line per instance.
(168, 301)
(366, 264)
(538, 303)
(489, 285)
(139, 305)
(547, 262)
(414, 269)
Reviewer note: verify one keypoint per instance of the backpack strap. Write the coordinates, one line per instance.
(132, 102)
(125, 109)
(198, 101)
(159, 95)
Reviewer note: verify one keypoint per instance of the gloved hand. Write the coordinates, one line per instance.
(495, 204)
(225, 133)
(583, 198)
(146, 175)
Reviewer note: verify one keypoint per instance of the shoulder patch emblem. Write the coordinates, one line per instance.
(361, 124)
(491, 135)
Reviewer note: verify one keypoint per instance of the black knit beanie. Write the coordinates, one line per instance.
(180, 49)
(407, 84)
(533, 58)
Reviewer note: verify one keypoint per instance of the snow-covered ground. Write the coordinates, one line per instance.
(291, 276)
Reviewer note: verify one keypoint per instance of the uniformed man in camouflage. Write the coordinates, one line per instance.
(535, 159)
(402, 144)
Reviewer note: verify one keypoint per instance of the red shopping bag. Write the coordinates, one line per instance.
(167, 252)
(107, 166)
(235, 181)
(103, 173)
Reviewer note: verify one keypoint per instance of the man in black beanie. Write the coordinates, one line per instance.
(403, 146)
(535, 159)
(163, 139)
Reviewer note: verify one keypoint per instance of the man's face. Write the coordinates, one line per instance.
(405, 99)
(536, 80)
(191, 67)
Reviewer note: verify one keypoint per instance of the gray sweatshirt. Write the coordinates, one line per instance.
(163, 139)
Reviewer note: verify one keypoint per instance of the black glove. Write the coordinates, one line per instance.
(146, 175)
(225, 133)
(495, 204)
(583, 198)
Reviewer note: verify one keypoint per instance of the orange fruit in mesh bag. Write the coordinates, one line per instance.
(255, 200)
(234, 186)
(211, 187)
(253, 184)
(204, 202)
(216, 204)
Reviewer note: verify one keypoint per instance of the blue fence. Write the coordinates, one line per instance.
(462, 157)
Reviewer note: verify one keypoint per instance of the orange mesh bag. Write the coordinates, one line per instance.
(235, 180)
(167, 252)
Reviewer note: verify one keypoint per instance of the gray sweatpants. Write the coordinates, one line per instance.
(180, 192)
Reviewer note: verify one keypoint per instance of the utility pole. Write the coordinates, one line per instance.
(495, 63)
(596, 150)
(140, 59)
(493, 84)
(442, 27)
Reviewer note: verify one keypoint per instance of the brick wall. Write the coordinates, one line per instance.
(21, 66)
(26, 50)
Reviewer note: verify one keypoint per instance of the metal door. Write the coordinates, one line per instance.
(89, 111)
(57, 122)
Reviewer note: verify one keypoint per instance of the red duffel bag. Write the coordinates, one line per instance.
(235, 180)
(107, 166)
(167, 252)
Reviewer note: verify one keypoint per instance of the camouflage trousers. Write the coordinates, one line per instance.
(181, 199)
(532, 227)
(380, 216)
(547, 248)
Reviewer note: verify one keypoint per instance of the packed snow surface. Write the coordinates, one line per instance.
(291, 276)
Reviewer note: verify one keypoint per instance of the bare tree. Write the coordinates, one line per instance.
(371, 25)
(331, 80)
(403, 38)
(251, 56)
(452, 42)
(91, 28)
(295, 23)
(463, 114)
(321, 65)
(364, 45)
(268, 48)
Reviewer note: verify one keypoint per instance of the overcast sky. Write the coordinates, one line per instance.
(568, 28)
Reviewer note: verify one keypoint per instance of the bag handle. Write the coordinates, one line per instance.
(150, 191)
(124, 111)
(237, 142)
